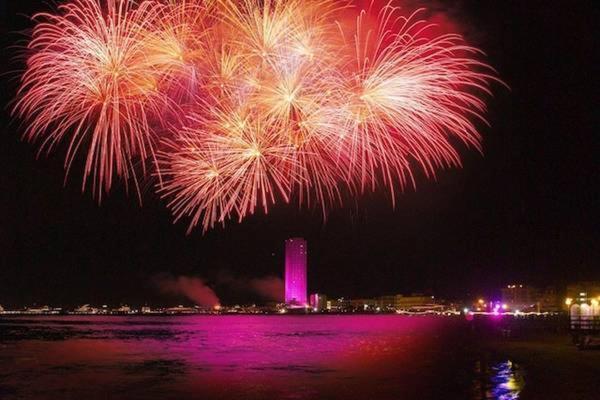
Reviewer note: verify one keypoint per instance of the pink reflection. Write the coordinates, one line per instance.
(250, 357)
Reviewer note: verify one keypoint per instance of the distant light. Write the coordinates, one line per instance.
(480, 301)
(465, 310)
(595, 302)
(504, 306)
(568, 301)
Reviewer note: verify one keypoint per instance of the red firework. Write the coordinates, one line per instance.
(255, 101)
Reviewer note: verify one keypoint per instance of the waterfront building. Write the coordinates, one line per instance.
(520, 297)
(415, 302)
(387, 302)
(85, 309)
(364, 304)
(549, 300)
(40, 310)
(295, 272)
(406, 303)
(124, 309)
(180, 309)
(339, 305)
(525, 298)
(584, 292)
(318, 302)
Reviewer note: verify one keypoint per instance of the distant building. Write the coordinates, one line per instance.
(406, 303)
(125, 309)
(364, 304)
(549, 300)
(525, 298)
(295, 272)
(146, 310)
(85, 309)
(339, 305)
(520, 297)
(180, 310)
(1, 309)
(387, 302)
(318, 302)
(583, 292)
(39, 310)
(415, 302)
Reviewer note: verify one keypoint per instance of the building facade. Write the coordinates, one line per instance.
(295, 272)
(520, 297)
(584, 291)
(401, 302)
(318, 302)
(530, 299)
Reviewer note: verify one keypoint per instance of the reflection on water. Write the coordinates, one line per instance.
(497, 381)
(507, 381)
(245, 357)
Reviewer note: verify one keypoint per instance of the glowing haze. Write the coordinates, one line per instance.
(236, 105)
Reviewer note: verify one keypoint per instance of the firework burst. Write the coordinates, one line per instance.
(251, 102)
(87, 83)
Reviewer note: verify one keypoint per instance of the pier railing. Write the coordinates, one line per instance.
(587, 324)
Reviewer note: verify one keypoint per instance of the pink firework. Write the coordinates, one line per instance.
(88, 83)
(253, 101)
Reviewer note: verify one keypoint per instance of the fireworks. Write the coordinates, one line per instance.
(237, 105)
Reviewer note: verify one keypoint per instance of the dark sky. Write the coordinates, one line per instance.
(525, 211)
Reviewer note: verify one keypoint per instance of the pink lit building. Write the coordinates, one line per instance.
(295, 272)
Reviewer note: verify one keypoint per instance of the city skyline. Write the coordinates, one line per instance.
(521, 212)
(299, 199)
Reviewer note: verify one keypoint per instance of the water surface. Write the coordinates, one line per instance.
(248, 357)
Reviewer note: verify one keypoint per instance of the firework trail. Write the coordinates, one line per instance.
(238, 105)
(87, 83)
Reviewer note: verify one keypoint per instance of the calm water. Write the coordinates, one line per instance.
(248, 357)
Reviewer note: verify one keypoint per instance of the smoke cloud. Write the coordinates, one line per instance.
(270, 287)
(192, 288)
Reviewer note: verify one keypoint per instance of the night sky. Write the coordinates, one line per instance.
(527, 210)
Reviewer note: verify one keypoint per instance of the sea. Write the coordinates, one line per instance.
(299, 357)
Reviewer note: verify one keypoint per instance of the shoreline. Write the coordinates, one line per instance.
(553, 366)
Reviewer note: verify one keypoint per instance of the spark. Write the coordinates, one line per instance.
(242, 104)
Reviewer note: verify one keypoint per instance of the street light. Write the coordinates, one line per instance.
(568, 301)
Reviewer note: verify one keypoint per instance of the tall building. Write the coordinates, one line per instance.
(520, 297)
(295, 272)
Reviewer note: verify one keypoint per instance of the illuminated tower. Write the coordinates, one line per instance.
(295, 272)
